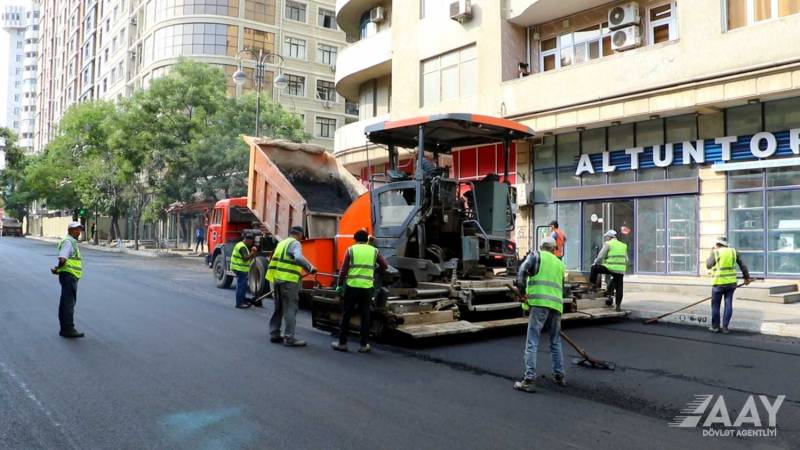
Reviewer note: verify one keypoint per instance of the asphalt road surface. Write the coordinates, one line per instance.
(168, 362)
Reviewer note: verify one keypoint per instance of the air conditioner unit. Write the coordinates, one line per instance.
(623, 15)
(461, 10)
(376, 14)
(626, 38)
(523, 194)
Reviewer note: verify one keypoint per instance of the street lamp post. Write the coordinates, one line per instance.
(260, 57)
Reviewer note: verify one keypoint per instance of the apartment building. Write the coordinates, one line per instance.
(672, 122)
(18, 39)
(109, 48)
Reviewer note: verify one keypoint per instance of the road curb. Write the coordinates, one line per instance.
(704, 320)
(123, 250)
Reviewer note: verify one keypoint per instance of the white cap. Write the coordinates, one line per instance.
(548, 242)
(722, 240)
(610, 233)
(74, 225)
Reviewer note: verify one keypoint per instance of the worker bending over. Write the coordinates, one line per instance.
(722, 262)
(241, 258)
(613, 260)
(544, 298)
(356, 283)
(284, 274)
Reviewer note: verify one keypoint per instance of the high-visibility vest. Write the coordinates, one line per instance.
(282, 266)
(362, 266)
(73, 265)
(724, 270)
(546, 288)
(239, 264)
(616, 260)
(561, 238)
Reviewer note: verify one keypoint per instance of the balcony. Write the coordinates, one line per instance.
(364, 60)
(348, 13)
(534, 12)
(351, 136)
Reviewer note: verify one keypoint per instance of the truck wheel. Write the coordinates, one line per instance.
(256, 281)
(223, 281)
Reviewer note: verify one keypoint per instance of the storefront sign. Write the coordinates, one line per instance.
(703, 151)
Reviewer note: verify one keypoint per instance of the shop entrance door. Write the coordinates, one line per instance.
(599, 217)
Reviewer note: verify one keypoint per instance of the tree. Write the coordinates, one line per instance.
(15, 194)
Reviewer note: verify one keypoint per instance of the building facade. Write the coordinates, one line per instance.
(109, 48)
(19, 36)
(672, 122)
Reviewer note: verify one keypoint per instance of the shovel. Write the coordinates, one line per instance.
(586, 360)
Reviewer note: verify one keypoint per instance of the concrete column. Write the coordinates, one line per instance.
(712, 214)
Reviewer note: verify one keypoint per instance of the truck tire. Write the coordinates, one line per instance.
(223, 281)
(256, 281)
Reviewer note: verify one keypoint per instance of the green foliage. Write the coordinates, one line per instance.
(13, 192)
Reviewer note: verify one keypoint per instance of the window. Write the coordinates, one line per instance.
(295, 11)
(325, 127)
(742, 13)
(257, 10)
(433, 8)
(449, 76)
(662, 26)
(366, 26)
(257, 39)
(575, 47)
(326, 18)
(326, 90)
(296, 85)
(326, 54)
(294, 48)
(194, 39)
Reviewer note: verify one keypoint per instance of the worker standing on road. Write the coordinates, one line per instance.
(722, 262)
(613, 260)
(544, 298)
(284, 274)
(241, 258)
(356, 283)
(559, 237)
(69, 270)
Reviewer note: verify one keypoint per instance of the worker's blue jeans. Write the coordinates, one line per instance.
(543, 319)
(241, 287)
(717, 293)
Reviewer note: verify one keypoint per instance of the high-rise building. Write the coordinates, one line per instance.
(19, 21)
(109, 48)
(672, 122)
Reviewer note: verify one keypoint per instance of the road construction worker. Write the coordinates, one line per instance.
(356, 287)
(69, 271)
(542, 275)
(561, 239)
(613, 260)
(284, 274)
(722, 261)
(241, 257)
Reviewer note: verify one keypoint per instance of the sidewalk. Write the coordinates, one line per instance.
(150, 253)
(750, 316)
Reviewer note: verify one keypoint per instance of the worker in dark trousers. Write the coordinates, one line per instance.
(356, 283)
(284, 274)
(542, 276)
(69, 271)
(722, 262)
(613, 260)
(241, 257)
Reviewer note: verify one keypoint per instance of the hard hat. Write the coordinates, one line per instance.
(548, 242)
(297, 230)
(723, 241)
(610, 233)
(74, 225)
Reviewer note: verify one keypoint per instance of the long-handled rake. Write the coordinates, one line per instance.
(587, 361)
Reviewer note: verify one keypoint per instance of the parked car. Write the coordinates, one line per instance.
(10, 226)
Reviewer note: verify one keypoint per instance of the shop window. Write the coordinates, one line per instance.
(681, 128)
(542, 216)
(743, 120)
(746, 179)
(543, 183)
(623, 176)
(782, 115)
(783, 212)
(544, 156)
(569, 221)
(746, 227)
(620, 137)
(682, 234)
(655, 173)
(663, 26)
(783, 176)
(650, 133)
(711, 126)
(592, 142)
(568, 146)
(651, 235)
(682, 171)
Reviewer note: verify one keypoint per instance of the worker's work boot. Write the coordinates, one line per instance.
(725, 330)
(559, 380)
(366, 348)
(608, 302)
(276, 339)
(292, 342)
(617, 308)
(713, 329)
(72, 333)
(338, 347)
(526, 385)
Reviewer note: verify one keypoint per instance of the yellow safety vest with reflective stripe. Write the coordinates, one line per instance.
(73, 265)
(362, 266)
(239, 264)
(724, 271)
(282, 266)
(546, 288)
(616, 260)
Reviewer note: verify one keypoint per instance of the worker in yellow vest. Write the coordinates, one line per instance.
(284, 274)
(723, 261)
(542, 276)
(241, 257)
(613, 260)
(356, 283)
(69, 271)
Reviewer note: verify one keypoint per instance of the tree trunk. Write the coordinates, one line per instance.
(112, 227)
(136, 221)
